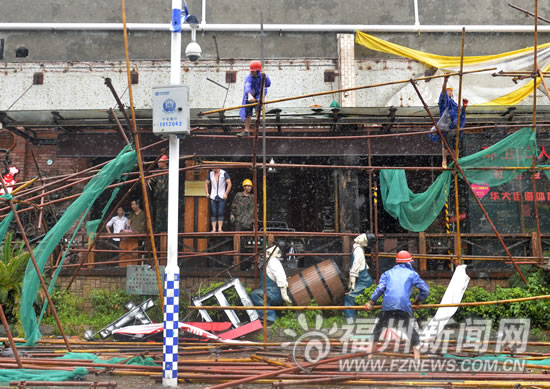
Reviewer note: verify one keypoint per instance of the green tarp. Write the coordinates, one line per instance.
(417, 211)
(110, 173)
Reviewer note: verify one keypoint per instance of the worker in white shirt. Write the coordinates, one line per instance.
(118, 223)
(276, 284)
(359, 277)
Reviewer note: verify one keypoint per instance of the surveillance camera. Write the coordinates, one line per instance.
(192, 21)
(193, 51)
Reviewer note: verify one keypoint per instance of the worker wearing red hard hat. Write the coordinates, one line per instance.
(396, 285)
(252, 93)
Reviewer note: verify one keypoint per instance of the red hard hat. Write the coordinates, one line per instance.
(255, 65)
(403, 257)
(163, 158)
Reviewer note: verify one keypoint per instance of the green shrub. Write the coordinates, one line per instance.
(13, 260)
(106, 307)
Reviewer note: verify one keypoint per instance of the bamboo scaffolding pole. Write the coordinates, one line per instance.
(89, 384)
(315, 138)
(79, 181)
(93, 169)
(10, 337)
(35, 264)
(261, 110)
(285, 370)
(137, 141)
(361, 307)
(533, 178)
(248, 164)
(457, 166)
(119, 127)
(458, 245)
(529, 13)
(102, 226)
(340, 91)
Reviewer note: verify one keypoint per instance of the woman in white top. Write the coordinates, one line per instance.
(217, 191)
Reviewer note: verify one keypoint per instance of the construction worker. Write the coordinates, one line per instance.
(276, 283)
(252, 93)
(242, 208)
(448, 111)
(359, 277)
(396, 285)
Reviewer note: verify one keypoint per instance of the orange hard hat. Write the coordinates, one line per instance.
(255, 65)
(163, 158)
(403, 257)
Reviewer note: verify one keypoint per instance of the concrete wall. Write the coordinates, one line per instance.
(75, 63)
(100, 46)
(81, 85)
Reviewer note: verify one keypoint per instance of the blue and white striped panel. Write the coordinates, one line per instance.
(171, 322)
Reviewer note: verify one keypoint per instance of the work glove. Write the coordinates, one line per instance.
(465, 102)
(232, 218)
(284, 295)
(351, 283)
(369, 306)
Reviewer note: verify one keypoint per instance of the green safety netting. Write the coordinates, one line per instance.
(413, 210)
(5, 224)
(110, 173)
(543, 363)
(148, 361)
(417, 211)
(516, 150)
(7, 375)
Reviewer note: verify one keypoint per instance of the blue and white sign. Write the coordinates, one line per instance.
(169, 106)
(171, 109)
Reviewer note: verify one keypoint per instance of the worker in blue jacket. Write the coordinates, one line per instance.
(396, 285)
(448, 111)
(252, 93)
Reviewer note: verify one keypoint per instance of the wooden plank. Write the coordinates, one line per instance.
(422, 250)
(203, 224)
(237, 248)
(128, 243)
(91, 254)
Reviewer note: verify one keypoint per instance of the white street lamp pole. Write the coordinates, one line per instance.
(172, 271)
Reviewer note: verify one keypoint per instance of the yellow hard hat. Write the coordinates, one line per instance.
(247, 182)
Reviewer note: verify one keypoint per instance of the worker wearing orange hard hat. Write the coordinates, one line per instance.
(396, 285)
(252, 93)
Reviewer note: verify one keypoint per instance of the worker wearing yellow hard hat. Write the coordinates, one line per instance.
(242, 208)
